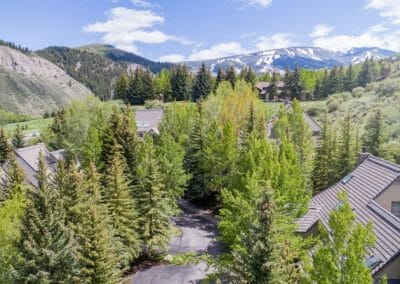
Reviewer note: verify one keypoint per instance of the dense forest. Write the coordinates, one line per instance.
(113, 209)
(94, 71)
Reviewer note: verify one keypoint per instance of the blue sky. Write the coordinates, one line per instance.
(199, 29)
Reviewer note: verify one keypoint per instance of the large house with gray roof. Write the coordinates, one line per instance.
(28, 157)
(148, 120)
(373, 190)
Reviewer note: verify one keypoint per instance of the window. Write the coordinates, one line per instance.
(372, 261)
(396, 208)
(347, 178)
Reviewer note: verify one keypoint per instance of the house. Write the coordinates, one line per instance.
(264, 90)
(148, 120)
(27, 159)
(373, 190)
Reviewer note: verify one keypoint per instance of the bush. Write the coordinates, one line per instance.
(153, 104)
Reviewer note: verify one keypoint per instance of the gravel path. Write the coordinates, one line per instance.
(198, 235)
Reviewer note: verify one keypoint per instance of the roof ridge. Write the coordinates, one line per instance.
(384, 163)
(38, 145)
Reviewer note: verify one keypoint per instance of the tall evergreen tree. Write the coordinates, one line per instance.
(136, 90)
(296, 88)
(171, 159)
(375, 133)
(121, 208)
(250, 76)
(180, 83)
(364, 77)
(230, 75)
(202, 84)
(152, 201)
(349, 79)
(347, 154)
(18, 140)
(121, 87)
(4, 147)
(46, 245)
(148, 85)
(220, 77)
(195, 156)
(97, 252)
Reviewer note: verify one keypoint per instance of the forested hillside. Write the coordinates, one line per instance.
(374, 106)
(95, 71)
(119, 55)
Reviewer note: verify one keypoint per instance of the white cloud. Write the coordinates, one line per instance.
(172, 58)
(278, 40)
(388, 9)
(370, 38)
(220, 50)
(260, 3)
(142, 3)
(125, 27)
(321, 30)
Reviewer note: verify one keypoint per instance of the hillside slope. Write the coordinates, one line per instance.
(118, 55)
(362, 103)
(30, 84)
(305, 57)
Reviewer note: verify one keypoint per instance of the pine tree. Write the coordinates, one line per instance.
(121, 208)
(171, 158)
(220, 77)
(4, 147)
(129, 140)
(121, 88)
(230, 75)
(347, 152)
(195, 156)
(18, 138)
(253, 262)
(296, 88)
(180, 83)
(364, 77)
(148, 85)
(341, 253)
(152, 201)
(202, 84)
(250, 77)
(375, 133)
(301, 136)
(46, 245)
(349, 81)
(110, 137)
(273, 93)
(322, 173)
(97, 253)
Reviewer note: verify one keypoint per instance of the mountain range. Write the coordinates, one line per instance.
(305, 57)
(37, 82)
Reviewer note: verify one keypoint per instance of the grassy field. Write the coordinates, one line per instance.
(29, 126)
(273, 107)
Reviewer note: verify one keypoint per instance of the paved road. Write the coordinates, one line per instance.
(199, 235)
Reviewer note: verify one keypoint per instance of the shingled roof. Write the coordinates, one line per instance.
(147, 120)
(27, 159)
(363, 185)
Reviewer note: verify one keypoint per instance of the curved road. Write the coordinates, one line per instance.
(198, 235)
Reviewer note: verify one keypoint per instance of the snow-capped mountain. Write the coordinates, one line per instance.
(305, 57)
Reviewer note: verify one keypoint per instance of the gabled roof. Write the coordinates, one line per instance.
(27, 159)
(148, 120)
(365, 183)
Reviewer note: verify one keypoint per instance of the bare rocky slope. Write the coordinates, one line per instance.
(30, 84)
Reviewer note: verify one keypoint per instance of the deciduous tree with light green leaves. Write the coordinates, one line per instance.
(341, 252)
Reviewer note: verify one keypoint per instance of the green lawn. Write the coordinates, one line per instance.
(29, 126)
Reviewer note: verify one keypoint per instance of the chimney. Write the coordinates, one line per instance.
(363, 155)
